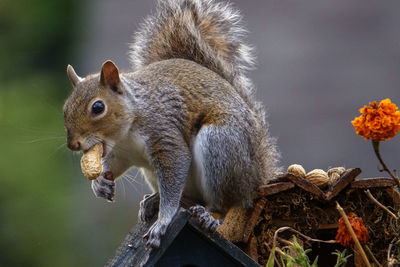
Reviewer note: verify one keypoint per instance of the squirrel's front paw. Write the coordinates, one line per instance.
(149, 207)
(153, 236)
(104, 186)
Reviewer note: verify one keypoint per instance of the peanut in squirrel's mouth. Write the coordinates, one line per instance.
(103, 144)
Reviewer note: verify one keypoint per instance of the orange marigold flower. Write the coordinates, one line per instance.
(378, 122)
(343, 235)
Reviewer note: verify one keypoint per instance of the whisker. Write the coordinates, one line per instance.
(131, 183)
(76, 154)
(42, 140)
(133, 179)
(38, 130)
(73, 161)
(57, 149)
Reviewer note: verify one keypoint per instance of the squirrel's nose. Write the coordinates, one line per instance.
(74, 145)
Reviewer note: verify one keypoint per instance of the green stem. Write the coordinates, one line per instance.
(375, 145)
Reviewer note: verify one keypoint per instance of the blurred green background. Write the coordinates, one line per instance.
(44, 220)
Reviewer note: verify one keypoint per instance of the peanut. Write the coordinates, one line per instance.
(296, 169)
(318, 177)
(91, 162)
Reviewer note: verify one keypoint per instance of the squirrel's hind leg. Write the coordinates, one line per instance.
(222, 157)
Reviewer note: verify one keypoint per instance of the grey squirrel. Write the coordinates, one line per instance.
(185, 115)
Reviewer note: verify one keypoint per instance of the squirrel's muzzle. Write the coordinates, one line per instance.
(73, 144)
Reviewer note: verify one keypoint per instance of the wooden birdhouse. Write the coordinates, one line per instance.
(287, 206)
(185, 244)
(293, 206)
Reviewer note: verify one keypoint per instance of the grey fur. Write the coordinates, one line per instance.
(231, 66)
(185, 116)
(232, 162)
(183, 19)
(238, 153)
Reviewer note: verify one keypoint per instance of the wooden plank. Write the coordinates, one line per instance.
(346, 178)
(258, 207)
(270, 189)
(279, 179)
(306, 185)
(373, 182)
(252, 248)
(392, 191)
(133, 252)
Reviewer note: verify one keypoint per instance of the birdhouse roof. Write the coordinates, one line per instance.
(185, 243)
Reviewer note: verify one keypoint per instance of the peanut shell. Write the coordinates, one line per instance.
(334, 174)
(296, 169)
(318, 177)
(91, 162)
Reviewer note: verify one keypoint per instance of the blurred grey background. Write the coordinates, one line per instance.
(318, 62)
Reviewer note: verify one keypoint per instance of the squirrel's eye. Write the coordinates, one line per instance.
(98, 107)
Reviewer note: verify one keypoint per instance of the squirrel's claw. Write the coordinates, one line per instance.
(207, 222)
(153, 236)
(103, 188)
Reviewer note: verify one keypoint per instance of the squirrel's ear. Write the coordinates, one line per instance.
(73, 77)
(110, 76)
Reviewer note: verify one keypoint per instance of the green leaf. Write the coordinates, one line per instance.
(271, 258)
(341, 258)
(315, 264)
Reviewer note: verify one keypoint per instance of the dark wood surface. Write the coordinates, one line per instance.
(342, 182)
(253, 220)
(270, 189)
(184, 239)
(306, 185)
(373, 182)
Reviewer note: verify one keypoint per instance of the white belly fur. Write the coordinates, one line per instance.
(196, 183)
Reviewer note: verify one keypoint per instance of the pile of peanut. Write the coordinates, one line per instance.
(317, 176)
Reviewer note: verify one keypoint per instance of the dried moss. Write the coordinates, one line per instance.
(306, 213)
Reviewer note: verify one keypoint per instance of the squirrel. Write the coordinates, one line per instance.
(185, 115)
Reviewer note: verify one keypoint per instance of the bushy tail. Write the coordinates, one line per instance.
(206, 32)
(210, 34)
